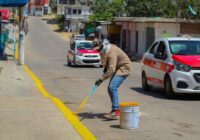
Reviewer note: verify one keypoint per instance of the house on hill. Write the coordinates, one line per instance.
(38, 7)
(76, 12)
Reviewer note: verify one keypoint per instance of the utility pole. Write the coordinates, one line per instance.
(21, 55)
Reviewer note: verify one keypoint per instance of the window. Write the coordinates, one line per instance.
(152, 50)
(69, 11)
(74, 11)
(79, 37)
(71, 2)
(185, 47)
(85, 46)
(162, 48)
(79, 12)
(62, 2)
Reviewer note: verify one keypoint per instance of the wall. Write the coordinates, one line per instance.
(141, 28)
(36, 10)
(35, 4)
(39, 11)
(170, 29)
(192, 29)
(132, 41)
(142, 36)
(32, 10)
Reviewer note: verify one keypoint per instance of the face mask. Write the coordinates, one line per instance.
(106, 48)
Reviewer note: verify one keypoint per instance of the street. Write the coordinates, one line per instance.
(161, 118)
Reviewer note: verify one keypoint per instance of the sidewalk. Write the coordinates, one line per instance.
(24, 113)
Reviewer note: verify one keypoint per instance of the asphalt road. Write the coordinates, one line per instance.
(161, 119)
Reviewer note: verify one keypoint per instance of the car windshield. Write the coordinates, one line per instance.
(85, 46)
(182, 47)
(79, 37)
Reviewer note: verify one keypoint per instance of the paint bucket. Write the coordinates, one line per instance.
(129, 115)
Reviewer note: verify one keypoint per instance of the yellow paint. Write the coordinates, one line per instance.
(81, 106)
(129, 104)
(17, 51)
(82, 130)
(37, 81)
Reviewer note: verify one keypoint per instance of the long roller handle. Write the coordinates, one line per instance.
(85, 100)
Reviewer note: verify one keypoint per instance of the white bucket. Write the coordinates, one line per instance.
(129, 115)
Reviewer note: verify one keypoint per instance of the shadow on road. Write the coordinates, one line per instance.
(50, 21)
(4, 57)
(115, 126)
(154, 92)
(90, 115)
(82, 66)
(159, 93)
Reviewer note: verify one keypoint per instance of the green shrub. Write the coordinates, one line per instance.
(60, 19)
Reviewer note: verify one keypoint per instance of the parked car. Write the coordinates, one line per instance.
(76, 37)
(82, 53)
(172, 64)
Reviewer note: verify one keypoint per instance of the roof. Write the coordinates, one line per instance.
(13, 3)
(184, 38)
(104, 22)
(154, 20)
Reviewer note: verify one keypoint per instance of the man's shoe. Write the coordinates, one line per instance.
(114, 114)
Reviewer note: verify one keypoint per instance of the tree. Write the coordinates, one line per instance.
(53, 5)
(107, 10)
(163, 8)
(60, 21)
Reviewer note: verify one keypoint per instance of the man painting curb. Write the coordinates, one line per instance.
(117, 65)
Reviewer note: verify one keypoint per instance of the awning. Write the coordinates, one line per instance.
(13, 3)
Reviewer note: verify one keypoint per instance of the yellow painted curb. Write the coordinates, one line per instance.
(82, 130)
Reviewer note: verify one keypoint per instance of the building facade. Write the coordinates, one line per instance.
(38, 7)
(137, 34)
(76, 12)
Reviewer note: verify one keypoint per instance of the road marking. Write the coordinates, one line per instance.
(82, 130)
(17, 51)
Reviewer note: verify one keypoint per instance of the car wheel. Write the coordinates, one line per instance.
(145, 85)
(68, 62)
(168, 87)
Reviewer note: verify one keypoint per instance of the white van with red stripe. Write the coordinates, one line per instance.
(82, 53)
(172, 64)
